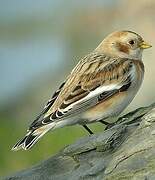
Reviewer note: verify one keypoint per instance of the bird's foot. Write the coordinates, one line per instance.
(108, 125)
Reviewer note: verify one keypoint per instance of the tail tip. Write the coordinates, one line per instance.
(30, 139)
(19, 145)
(15, 148)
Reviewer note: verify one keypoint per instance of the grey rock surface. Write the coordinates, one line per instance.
(125, 151)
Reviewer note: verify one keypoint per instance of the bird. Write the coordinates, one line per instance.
(99, 87)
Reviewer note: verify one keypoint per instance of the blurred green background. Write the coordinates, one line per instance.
(40, 42)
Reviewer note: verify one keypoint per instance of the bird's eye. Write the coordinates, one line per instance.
(131, 42)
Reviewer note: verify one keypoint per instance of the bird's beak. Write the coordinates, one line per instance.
(144, 45)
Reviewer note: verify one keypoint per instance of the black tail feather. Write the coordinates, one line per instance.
(30, 141)
(32, 137)
(27, 142)
(19, 144)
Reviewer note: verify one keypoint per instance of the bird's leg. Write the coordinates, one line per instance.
(90, 132)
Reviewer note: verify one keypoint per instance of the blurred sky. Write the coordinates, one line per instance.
(19, 8)
(21, 62)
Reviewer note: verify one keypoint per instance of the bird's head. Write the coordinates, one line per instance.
(124, 44)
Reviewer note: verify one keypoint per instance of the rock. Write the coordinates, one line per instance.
(125, 151)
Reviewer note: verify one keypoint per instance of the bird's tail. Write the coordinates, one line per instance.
(32, 137)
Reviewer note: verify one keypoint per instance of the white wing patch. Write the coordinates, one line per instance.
(92, 94)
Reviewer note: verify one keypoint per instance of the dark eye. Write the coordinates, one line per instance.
(131, 42)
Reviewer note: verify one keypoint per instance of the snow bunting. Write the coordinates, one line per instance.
(100, 87)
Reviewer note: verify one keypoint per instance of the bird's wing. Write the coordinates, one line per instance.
(95, 78)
